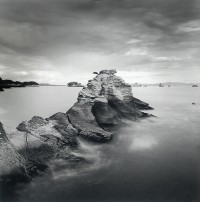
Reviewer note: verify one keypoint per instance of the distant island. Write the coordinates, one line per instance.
(195, 86)
(167, 84)
(10, 84)
(74, 84)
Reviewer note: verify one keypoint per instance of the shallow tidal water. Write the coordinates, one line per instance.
(153, 160)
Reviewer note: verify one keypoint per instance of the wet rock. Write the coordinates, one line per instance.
(107, 117)
(55, 132)
(140, 104)
(82, 118)
(106, 85)
(11, 162)
(124, 110)
(45, 139)
(65, 128)
(106, 101)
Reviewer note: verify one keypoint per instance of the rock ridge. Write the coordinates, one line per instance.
(105, 103)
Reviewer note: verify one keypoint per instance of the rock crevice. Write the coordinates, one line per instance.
(108, 100)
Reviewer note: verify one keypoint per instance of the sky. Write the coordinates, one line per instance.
(57, 41)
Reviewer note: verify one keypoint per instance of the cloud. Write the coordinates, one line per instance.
(164, 59)
(21, 73)
(70, 38)
(133, 41)
(137, 51)
(191, 26)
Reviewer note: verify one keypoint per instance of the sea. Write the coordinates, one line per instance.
(152, 160)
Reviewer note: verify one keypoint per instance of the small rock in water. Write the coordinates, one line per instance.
(193, 103)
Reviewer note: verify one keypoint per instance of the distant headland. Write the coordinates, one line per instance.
(165, 84)
(13, 84)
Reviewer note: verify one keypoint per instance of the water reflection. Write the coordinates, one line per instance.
(2, 111)
(143, 143)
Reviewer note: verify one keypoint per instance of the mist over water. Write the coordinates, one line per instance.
(153, 160)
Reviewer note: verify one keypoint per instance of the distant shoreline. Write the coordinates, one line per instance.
(63, 85)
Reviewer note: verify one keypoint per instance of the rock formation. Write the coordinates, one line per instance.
(36, 142)
(11, 162)
(106, 102)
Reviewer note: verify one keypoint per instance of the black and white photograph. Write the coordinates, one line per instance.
(99, 100)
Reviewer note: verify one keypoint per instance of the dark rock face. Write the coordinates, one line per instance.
(55, 132)
(140, 104)
(46, 140)
(11, 162)
(1, 89)
(108, 116)
(82, 118)
(65, 128)
(105, 103)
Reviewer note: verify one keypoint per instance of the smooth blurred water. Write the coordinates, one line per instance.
(20, 104)
(153, 160)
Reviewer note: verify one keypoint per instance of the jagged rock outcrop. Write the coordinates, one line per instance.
(35, 142)
(11, 162)
(105, 103)
(82, 118)
(47, 139)
(55, 131)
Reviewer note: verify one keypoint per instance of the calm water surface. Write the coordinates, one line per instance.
(18, 104)
(154, 160)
